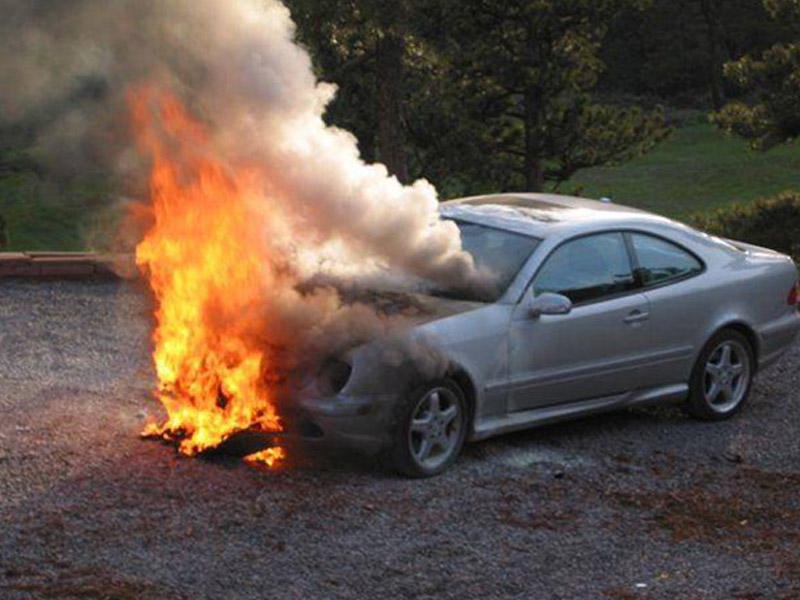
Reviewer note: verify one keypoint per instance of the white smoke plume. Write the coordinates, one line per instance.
(94, 82)
(67, 66)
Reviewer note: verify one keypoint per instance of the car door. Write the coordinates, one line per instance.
(594, 350)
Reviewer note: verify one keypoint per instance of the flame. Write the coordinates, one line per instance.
(270, 457)
(204, 258)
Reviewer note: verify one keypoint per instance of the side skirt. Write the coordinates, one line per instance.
(497, 425)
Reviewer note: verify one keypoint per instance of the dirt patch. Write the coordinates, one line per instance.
(750, 511)
(65, 582)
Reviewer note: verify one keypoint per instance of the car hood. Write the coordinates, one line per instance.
(432, 308)
(414, 308)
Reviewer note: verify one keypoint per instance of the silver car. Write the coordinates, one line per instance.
(598, 307)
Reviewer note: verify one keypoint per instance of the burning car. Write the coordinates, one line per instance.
(598, 307)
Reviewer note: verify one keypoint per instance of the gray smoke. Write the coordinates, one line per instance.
(301, 207)
(67, 66)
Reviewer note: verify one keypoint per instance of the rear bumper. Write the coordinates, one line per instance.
(776, 337)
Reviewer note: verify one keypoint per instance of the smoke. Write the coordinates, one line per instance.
(68, 66)
(210, 114)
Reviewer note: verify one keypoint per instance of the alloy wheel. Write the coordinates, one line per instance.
(435, 428)
(726, 376)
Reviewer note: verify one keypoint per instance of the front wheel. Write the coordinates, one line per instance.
(431, 429)
(722, 376)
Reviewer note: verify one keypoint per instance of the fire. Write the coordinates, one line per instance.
(204, 259)
(269, 457)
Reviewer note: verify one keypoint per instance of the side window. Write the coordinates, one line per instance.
(587, 268)
(661, 261)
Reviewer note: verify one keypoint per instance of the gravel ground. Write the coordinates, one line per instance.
(638, 504)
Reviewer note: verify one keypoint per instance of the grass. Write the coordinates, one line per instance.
(697, 168)
(42, 215)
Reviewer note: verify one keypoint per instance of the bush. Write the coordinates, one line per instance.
(769, 222)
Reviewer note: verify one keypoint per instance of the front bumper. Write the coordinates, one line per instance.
(359, 422)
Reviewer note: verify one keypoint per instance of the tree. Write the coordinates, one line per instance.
(361, 47)
(525, 70)
(769, 115)
(675, 50)
(711, 10)
(475, 96)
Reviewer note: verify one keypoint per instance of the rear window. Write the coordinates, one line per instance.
(661, 261)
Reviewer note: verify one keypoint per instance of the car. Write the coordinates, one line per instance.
(596, 307)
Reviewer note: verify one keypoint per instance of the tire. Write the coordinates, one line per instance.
(722, 377)
(430, 430)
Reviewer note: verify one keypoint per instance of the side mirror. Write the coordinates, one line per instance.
(549, 304)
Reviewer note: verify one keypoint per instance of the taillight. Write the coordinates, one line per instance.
(794, 294)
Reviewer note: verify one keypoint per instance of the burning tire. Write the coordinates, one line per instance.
(431, 429)
(722, 377)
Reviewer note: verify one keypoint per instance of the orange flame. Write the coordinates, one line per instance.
(270, 457)
(203, 258)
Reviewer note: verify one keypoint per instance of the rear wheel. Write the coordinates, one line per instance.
(431, 429)
(722, 377)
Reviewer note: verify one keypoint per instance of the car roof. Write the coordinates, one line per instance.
(545, 215)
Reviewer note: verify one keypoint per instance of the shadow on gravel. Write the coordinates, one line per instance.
(627, 424)
(310, 460)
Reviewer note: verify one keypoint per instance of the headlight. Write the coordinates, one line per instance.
(333, 376)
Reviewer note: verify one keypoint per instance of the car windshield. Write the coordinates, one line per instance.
(498, 253)
(498, 256)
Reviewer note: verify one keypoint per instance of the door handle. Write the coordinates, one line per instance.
(636, 316)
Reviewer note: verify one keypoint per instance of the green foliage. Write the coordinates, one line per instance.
(3, 234)
(769, 222)
(41, 214)
(482, 95)
(675, 50)
(770, 115)
(698, 168)
(606, 135)
(366, 48)
(782, 9)
(523, 73)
